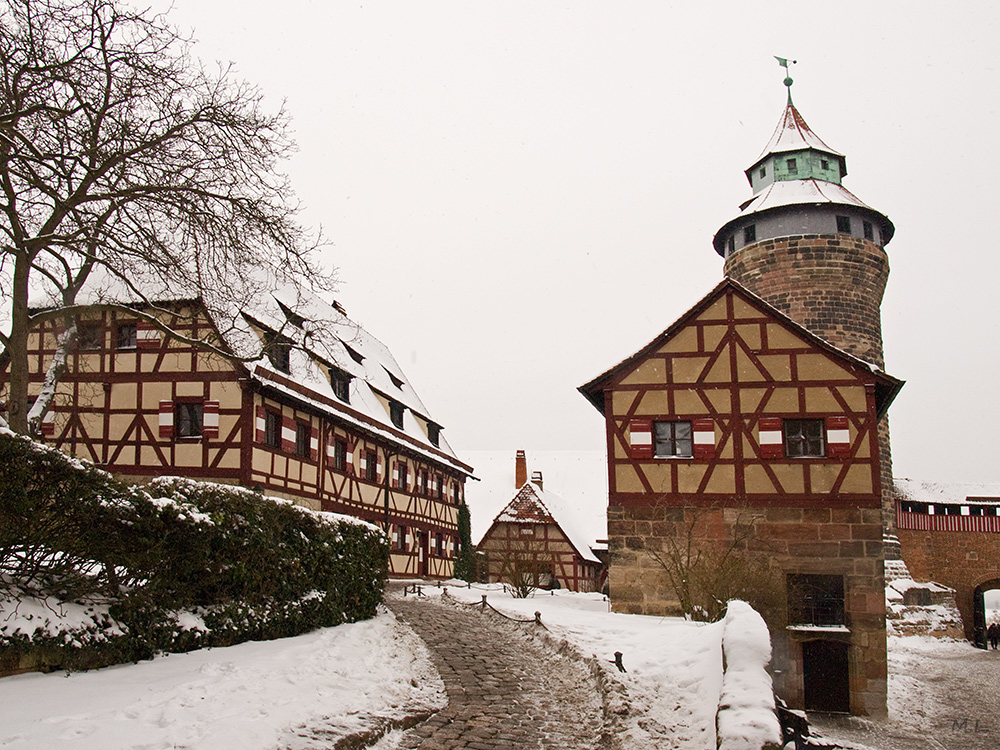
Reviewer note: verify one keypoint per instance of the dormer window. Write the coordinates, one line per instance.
(292, 317)
(395, 381)
(396, 413)
(792, 165)
(434, 433)
(353, 354)
(279, 353)
(340, 381)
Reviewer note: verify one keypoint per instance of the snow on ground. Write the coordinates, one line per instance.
(269, 694)
(253, 695)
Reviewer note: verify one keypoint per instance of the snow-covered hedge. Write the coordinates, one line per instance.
(746, 718)
(168, 566)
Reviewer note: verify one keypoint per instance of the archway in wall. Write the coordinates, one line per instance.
(985, 609)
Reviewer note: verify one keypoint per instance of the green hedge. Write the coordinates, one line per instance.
(239, 565)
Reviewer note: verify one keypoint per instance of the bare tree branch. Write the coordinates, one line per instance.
(123, 158)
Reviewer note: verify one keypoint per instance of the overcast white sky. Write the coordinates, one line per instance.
(521, 194)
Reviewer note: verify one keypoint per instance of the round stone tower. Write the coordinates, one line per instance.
(809, 247)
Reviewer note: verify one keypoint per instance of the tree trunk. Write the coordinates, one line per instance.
(17, 347)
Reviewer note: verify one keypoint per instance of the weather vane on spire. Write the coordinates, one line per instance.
(785, 62)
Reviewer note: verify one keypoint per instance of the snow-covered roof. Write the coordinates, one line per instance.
(531, 504)
(886, 386)
(321, 337)
(795, 192)
(965, 493)
(581, 478)
(794, 134)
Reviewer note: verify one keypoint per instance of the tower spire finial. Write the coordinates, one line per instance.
(785, 62)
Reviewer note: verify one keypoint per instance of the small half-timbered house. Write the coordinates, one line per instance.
(324, 417)
(535, 542)
(740, 426)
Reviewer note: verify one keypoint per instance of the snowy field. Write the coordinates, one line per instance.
(273, 694)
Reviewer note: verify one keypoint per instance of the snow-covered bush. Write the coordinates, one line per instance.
(156, 558)
(746, 718)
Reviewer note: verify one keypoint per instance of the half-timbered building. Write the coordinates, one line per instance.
(324, 417)
(736, 416)
(535, 540)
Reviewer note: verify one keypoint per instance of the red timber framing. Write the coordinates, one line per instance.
(526, 539)
(128, 405)
(738, 420)
(735, 369)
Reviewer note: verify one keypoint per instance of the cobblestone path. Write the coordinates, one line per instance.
(505, 688)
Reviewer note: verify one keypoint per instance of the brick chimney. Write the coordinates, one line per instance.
(520, 469)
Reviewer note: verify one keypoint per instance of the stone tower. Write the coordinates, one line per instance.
(812, 249)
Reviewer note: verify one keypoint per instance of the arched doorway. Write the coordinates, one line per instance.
(985, 609)
(825, 674)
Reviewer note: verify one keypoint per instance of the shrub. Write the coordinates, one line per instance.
(240, 565)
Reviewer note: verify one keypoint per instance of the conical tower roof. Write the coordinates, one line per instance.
(797, 171)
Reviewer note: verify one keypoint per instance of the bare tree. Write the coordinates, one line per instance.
(521, 565)
(131, 173)
(715, 556)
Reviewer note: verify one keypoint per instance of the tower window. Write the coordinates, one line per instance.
(792, 165)
(732, 245)
(188, 419)
(824, 164)
(815, 599)
(868, 230)
(763, 171)
(804, 437)
(749, 234)
(673, 439)
(844, 224)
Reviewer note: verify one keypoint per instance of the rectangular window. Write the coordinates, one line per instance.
(763, 171)
(400, 537)
(401, 476)
(804, 437)
(731, 245)
(371, 466)
(672, 439)
(126, 338)
(188, 419)
(422, 482)
(272, 429)
(815, 599)
(340, 455)
(434, 434)
(868, 230)
(792, 165)
(89, 336)
(824, 164)
(844, 224)
(303, 433)
(749, 234)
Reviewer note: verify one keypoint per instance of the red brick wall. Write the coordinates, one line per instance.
(958, 559)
